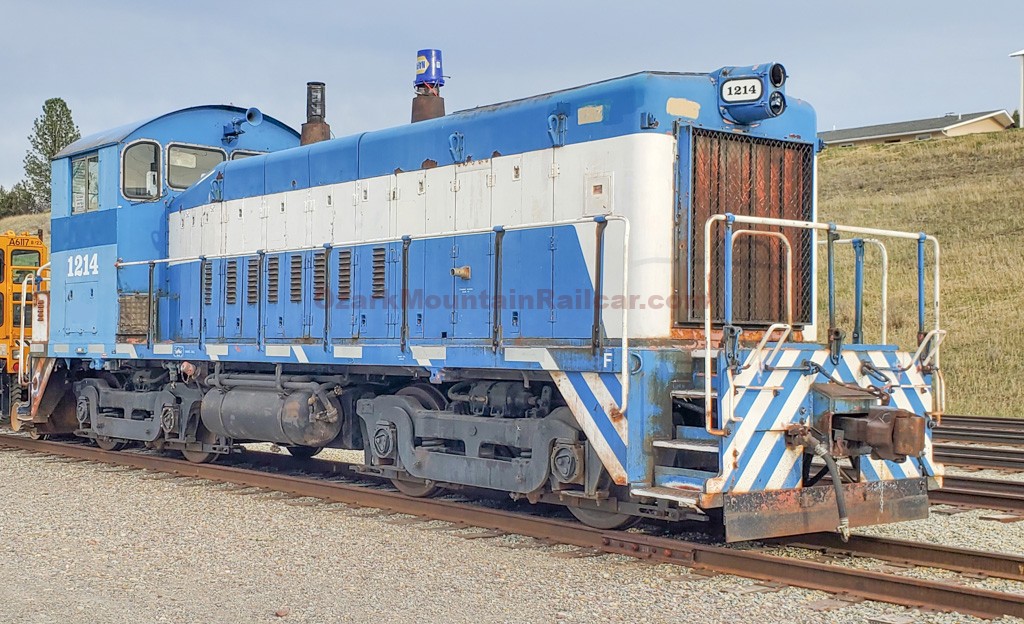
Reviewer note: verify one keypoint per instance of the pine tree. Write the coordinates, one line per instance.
(51, 132)
(17, 200)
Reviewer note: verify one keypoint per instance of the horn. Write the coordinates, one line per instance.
(254, 116)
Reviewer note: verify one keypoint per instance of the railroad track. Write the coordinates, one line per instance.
(979, 456)
(980, 493)
(981, 430)
(869, 584)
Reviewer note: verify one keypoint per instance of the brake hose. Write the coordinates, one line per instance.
(820, 450)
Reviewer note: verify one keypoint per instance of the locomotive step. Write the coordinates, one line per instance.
(681, 497)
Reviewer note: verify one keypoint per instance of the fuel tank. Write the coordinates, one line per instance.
(298, 417)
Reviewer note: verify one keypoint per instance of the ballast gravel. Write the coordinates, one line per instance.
(82, 542)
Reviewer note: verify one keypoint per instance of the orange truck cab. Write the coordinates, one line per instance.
(21, 256)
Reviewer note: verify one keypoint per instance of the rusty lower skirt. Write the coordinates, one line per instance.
(778, 513)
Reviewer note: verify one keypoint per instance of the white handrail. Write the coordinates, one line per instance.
(803, 225)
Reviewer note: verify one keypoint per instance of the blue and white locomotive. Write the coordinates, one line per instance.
(602, 297)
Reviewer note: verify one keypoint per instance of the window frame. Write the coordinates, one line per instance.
(159, 172)
(38, 253)
(245, 154)
(86, 157)
(167, 161)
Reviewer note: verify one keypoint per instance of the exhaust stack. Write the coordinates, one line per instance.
(315, 129)
(428, 103)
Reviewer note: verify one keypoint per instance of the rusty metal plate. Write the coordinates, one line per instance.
(778, 513)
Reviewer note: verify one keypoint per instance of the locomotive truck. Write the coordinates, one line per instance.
(602, 297)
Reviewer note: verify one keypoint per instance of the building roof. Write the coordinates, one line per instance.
(917, 126)
(1019, 53)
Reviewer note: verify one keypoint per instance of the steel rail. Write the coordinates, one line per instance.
(922, 554)
(980, 493)
(907, 591)
(982, 457)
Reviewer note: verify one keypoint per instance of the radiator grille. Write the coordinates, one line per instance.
(379, 271)
(231, 282)
(273, 278)
(295, 281)
(750, 176)
(252, 281)
(207, 283)
(345, 275)
(320, 275)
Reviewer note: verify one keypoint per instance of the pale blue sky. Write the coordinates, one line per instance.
(857, 62)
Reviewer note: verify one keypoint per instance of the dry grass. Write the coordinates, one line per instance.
(28, 223)
(969, 192)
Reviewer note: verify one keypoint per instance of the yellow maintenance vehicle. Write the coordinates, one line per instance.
(23, 263)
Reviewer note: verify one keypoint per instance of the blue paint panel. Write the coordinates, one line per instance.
(474, 296)
(573, 290)
(526, 273)
(60, 188)
(374, 318)
(344, 312)
(184, 284)
(430, 288)
(334, 161)
(287, 170)
(212, 299)
(242, 178)
(81, 313)
(80, 231)
(110, 178)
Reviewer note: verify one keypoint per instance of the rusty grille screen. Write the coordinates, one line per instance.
(760, 177)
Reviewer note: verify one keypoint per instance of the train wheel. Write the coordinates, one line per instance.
(304, 452)
(415, 489)
(109, 444)
(202, 457)
(606, 520)
(430, 398)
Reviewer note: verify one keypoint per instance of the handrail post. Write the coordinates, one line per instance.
(858, 290)
(920, 287)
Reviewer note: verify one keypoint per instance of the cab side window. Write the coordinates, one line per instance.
(141, 171)
(23, 264)
(85, 184)
(3, 267)
(187, 165)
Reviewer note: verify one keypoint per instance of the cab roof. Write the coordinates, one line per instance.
(120, 133)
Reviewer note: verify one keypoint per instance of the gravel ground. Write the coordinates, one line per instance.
(81, 542)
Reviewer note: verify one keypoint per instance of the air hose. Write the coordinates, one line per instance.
(820, 450)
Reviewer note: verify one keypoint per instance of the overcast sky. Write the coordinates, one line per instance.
(857, 62)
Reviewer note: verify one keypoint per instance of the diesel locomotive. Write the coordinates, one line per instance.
(602, 297)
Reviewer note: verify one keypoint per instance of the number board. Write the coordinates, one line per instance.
(742, 90)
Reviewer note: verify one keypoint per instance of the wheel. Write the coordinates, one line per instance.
(427, 395)
(304, 452)
(416, 490)
(430, 398)
(202, 457)
(606, 520)
(110, 444)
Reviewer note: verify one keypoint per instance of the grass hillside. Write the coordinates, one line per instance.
(28, 223)
(969, 192)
